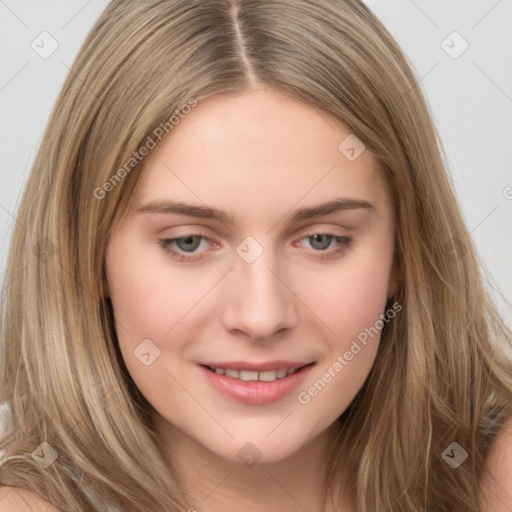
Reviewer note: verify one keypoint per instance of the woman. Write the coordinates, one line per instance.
(240, 279)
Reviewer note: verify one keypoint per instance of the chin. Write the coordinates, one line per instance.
(273, 443)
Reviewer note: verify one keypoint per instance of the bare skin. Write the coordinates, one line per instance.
(260, 158)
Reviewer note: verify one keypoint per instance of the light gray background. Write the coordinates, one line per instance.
(470, 97)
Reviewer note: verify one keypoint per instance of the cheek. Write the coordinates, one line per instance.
(353, 312)
(148, 301)
(350, 299)
(350, 296)
(155, 301)
(148, 297)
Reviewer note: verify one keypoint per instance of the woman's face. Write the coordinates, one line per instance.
(213, 312)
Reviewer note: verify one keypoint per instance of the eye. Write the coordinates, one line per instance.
(321, 241)
(185, 244)
(184, 248)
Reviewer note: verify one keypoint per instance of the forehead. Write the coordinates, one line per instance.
(258, 151)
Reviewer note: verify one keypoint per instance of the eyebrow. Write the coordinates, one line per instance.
(190, 210)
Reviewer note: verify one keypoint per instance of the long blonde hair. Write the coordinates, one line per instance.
(440, 375)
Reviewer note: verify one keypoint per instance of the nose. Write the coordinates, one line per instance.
(259, 302)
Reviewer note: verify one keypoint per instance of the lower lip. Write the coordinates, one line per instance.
(256, 392)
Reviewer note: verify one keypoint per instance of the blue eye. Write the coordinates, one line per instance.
(186, 246)
(321, 241)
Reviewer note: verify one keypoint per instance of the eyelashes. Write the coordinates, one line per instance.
(324, 239)
(168, 243)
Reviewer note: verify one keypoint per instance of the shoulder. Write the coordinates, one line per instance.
(15, 499)
(495, 493)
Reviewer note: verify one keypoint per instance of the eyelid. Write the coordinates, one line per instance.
(323, 229)
(342, 246)
(165, 244)
(303, 232)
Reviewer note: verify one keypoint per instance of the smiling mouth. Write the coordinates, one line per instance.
(253, 376)
(255, 383)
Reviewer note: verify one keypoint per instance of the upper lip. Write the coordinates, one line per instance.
(256, 367)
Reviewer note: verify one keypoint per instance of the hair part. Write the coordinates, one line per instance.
(440, 374)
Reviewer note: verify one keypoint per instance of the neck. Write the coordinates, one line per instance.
(212, 483)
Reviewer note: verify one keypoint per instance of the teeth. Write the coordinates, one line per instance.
(249, 375)
(245, 375)
(268, 376)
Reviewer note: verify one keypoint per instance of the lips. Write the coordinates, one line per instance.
(256, 383)
(257, 367)
(252, 375)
